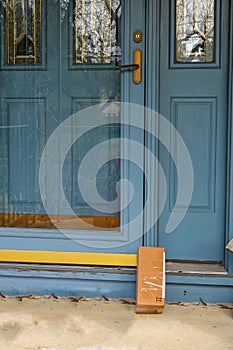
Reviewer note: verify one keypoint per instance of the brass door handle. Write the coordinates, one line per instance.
(128, 66)
(136, 66)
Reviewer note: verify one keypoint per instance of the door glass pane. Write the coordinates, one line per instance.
(36, 101)
(23, 31)
(96, 31)
(195, 30)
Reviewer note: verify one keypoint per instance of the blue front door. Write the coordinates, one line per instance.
(193, 97)
(59, 58)
(69, 180)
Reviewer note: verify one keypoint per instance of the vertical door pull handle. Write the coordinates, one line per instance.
(137, 60)
(136, 66)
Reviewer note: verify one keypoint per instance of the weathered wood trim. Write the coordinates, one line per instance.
(25, 279)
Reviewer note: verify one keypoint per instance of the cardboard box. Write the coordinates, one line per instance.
(150, 280)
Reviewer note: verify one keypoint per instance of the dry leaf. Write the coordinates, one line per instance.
(202, 302)
(53, 296)
(128, 302)
(30, 296)
(82, 298)
(179, 303)
(74, 300)
(102, 298)
(228, 307)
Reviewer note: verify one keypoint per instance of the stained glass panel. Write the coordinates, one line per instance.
(195, 30)
(97, 31)
(23, 31)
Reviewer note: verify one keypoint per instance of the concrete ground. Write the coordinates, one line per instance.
(93, 324)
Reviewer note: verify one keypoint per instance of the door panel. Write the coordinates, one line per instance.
(60, 61)
(193, 98)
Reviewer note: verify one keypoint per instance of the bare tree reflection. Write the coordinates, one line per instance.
(195, 30)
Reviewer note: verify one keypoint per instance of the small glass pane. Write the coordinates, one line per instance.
(195, 30)
(97, 31)
(23, 31)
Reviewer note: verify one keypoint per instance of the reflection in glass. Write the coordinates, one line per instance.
(23, 31)
(195, 29)
(97, 31)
